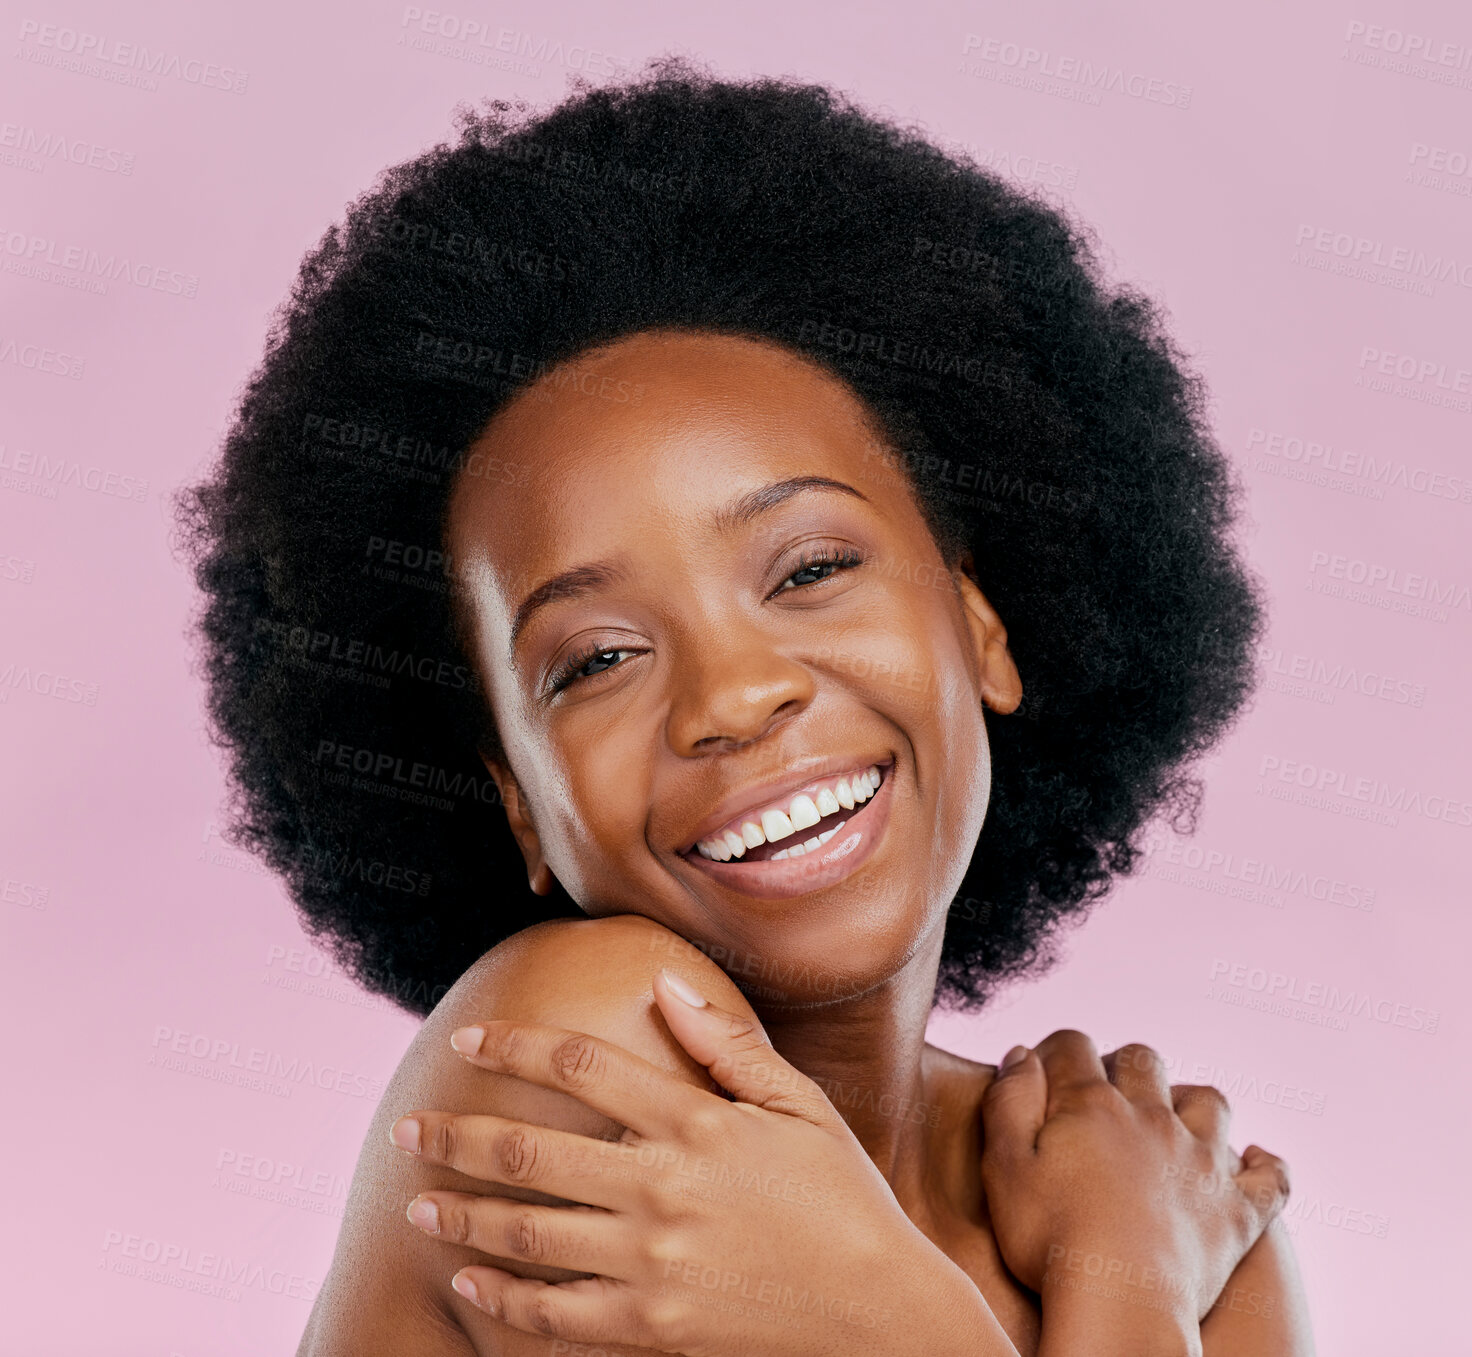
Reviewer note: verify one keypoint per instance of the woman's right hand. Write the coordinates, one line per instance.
(1100, 1183)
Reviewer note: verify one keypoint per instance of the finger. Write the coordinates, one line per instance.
(1139, 1073)
(590, 1310)
(735, 1050)
(499, 1150)
(1071, 1061)
(1264, 1181)
(575, 1238)
(625, 1087)
(1204, 1110)
(1013, 1108)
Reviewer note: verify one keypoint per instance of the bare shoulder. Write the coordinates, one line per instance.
(389, 1285)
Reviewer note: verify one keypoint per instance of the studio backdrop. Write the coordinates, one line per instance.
(188, 1079)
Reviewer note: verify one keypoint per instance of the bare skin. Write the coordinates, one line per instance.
(722, 661)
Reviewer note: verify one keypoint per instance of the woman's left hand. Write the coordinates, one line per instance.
(714, 1228)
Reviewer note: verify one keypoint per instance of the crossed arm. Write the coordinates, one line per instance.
(389, 1287)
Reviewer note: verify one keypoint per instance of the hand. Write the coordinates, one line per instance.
(1094, 1186)
(713, 1228)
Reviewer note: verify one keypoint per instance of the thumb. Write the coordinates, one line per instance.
(1014, 1106)
(1264, 1181)
(735, 1049)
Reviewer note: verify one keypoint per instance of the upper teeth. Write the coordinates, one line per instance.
(781, 819)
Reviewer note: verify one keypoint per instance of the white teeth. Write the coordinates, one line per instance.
(804, 812)
(775, 825)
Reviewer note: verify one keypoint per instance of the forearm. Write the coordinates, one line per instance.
(1114, 1321)
(1263, 1311)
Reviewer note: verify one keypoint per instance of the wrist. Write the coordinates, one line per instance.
(1125, 1311)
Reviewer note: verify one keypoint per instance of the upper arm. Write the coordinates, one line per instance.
(389, 1287)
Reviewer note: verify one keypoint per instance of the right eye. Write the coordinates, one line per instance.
(570, 671)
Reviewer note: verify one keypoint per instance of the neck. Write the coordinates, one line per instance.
(867, 1055)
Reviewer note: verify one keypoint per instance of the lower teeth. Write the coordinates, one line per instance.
(798, 849)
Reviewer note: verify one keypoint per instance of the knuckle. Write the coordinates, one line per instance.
(705, 1124)
(1213, 1096)
(1071, 1038)
(1095, 1096)
(541, 1314)
(518, 1154)
(578, 1060)
(1137, 1056)
(660, 1319)
(525, 1237)
(666, 1249)
(440, 1140)
(454, 1223)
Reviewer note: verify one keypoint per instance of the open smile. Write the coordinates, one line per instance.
(821, 835)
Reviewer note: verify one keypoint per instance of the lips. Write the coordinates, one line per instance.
(792, 877)
(749, 804)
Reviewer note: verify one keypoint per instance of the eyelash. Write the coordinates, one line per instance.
(845, 559)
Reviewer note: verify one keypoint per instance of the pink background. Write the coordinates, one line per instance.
(126, 920)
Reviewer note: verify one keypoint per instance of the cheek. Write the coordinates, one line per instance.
(595, 828)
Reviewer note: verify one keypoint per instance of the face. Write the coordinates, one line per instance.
(712, 608)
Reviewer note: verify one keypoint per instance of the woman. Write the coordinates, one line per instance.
(654, 495)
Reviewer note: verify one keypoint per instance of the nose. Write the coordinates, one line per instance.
(732, 687)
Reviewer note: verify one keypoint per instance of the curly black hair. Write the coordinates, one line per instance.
(1044, 420)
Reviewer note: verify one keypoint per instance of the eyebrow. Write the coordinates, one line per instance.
(595, 575)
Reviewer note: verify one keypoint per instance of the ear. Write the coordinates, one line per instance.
(1001, 684)
(539, 875)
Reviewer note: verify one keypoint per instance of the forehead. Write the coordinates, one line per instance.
(647, 436)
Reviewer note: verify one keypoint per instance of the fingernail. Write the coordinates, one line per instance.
(682, 989)
(465, 1287)
(425, 1214)
(1014, 1057)
(405, 1134)
(467, 1040)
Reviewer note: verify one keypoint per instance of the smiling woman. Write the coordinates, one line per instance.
(792, 582)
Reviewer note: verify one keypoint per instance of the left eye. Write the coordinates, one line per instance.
(572, 671)
(842, 560)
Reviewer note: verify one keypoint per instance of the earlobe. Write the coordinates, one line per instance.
(1001, 684)
(539, 875)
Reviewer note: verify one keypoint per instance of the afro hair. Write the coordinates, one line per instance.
(1044, 420)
